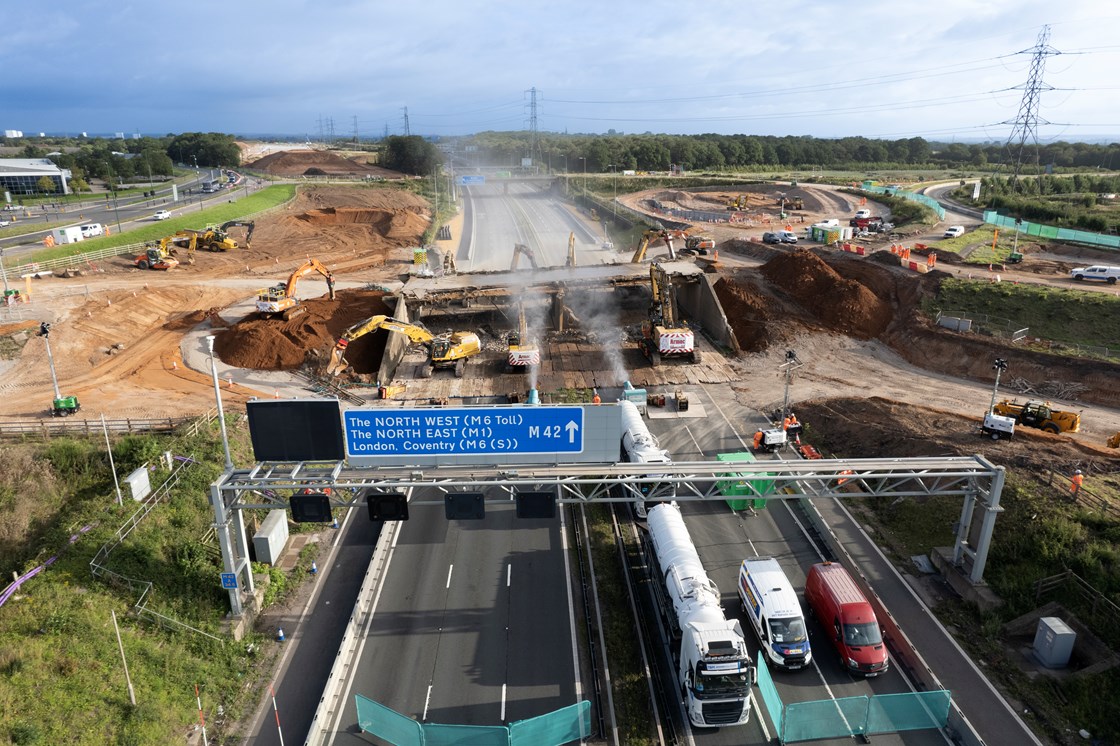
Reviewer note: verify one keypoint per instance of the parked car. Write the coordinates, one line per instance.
(162, 215)
(953, 231)
(771, 238)
(865, 213)
(1096, 272)
(4, 223)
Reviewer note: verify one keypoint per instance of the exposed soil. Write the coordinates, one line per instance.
(318, 163)
(275, 344)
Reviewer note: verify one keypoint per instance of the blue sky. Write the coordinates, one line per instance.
(939, 70)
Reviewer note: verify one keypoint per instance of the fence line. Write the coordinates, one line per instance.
(56, 427)
(1027, 228)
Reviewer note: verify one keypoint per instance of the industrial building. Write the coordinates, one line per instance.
(20, 176)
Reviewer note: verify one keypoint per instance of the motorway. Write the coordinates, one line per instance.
(475, 621)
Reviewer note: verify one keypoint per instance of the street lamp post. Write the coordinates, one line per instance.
(614, 188)
(113, 187)
(3, 274)
(1000, 365)
(218, 399)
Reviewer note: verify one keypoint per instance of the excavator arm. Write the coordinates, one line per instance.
(647, 238)
(414, 332)
(659, 284)
(521, 248)
(571, 249)
(311, 265)
(248, 225)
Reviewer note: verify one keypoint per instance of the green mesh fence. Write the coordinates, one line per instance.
(912, 711)
(436, 734)
(1052, 232)
(912, 196)
(376, 718)
(565, 725)
(769, 693)
(824, 718)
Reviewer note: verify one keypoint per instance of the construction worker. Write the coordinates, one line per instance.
(595, 398)
(758, 439)
(785, 422)
(1075, 483)
(792, 419)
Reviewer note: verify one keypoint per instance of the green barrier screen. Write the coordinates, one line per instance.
(911, 711)
(769, 693)
(567, 725)
(1053, 232)
(376, 718)
(824, 718)
(436, 734)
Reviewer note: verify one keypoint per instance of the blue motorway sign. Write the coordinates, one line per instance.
(476, 431)
(229, 580)
(468, 180)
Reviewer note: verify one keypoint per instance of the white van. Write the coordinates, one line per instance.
(830, 223)
(1096, 272)
(775, 613)
(91, 230)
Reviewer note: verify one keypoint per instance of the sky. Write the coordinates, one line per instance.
(945, 70)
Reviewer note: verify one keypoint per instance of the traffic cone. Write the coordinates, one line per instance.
(314, 568)
(279, 634)
(275, 393)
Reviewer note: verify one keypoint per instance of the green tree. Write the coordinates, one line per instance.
(210, 149)
(411, 155)
(45, 185)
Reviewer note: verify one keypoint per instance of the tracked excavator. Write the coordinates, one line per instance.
(571, 261)
(519, 249)
(523, 352)
(662, 334)
(449, 350)
(248, 225)
(280, 300)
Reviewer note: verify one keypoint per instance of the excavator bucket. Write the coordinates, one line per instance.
(336, 364)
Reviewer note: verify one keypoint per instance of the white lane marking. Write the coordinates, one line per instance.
(698, 448)
(503, 717)
(509, 574)
(571, 605)
(427, 701)
(449, 569)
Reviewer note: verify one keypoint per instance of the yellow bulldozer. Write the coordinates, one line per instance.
(1039, 414)
(450, 350)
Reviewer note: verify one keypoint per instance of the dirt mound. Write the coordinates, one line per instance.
(387, 223)
(275, 344)
(316, 163)
(747, 311)
(842, 305)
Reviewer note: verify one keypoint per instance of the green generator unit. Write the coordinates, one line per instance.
(739, 491)
(65, 406)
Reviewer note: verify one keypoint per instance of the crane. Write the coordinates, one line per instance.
(521, 248)
(281, 299)
(449, 350)
(662, 334)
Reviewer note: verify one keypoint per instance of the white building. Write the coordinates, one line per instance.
(20, 176)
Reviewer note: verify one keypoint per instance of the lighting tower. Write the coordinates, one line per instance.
(1026, 123)
(1000, 365)
(789, 366)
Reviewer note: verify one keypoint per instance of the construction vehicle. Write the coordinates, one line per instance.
(795, 203)
(61, 406)
(571, 261)
(521, 248)
(1114, 441)
(662, 335)
(523, 354)
(1039, 414)
(449, 350)
(156, 257)
(700, 244)
(715, 671)
(248, 225)
(281, 299)
(650, 236)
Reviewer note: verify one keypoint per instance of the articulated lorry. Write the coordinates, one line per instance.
(714, 668)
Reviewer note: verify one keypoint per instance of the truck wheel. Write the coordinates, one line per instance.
(142, 264)
(1111, 280)
(1050, 427)
(995, 435)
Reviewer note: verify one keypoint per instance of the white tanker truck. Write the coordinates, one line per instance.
(639, 446)
(714, 668)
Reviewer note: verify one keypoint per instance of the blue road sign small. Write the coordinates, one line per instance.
(468, 180)
(455, 432)
(229, 580)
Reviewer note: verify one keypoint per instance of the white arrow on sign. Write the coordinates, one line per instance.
(571, 427)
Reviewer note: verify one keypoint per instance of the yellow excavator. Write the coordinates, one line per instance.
(248, 225)
(281, 299)
(449, 350)
(523, 352)
(1114, 441)
(571, 262)
(662, 335)
(649, 237)
(519, 249)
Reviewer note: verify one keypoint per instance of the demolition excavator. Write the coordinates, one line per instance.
(449, 350)
(280, 300)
